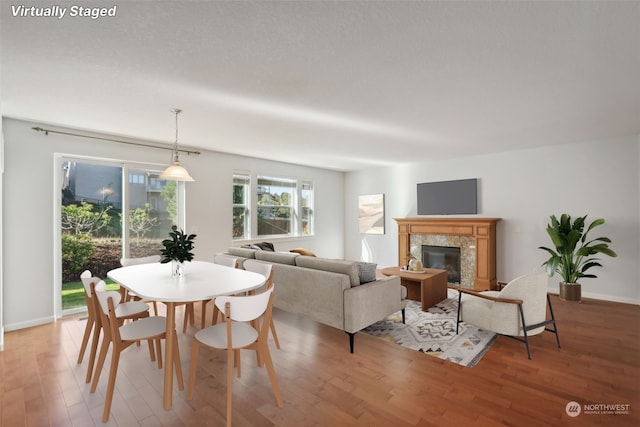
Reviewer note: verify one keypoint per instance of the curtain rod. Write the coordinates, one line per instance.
(48, 131)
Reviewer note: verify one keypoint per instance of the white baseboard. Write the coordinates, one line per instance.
(29, 323)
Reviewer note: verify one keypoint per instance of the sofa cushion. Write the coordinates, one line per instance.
(302, 251)
(242, 252)
(366, 271)
(333, 265)
(277, 257)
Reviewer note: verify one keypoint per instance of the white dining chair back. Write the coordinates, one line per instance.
(104, 295)
(238, 332)
(222, 259)
(125, 262)
(86, 277)
(263, 268)
(266, 270)
(245, 309)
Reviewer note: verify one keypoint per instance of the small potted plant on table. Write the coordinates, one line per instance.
(177, 250)
(574, 254)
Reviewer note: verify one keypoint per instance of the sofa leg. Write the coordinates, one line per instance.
(403, 318)
(351, 337)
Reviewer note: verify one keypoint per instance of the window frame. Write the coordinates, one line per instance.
(306, 183)
(246, 177)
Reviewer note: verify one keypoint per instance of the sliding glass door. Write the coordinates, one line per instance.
(108, 211)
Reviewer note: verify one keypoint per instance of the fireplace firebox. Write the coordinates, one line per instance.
(443, 258)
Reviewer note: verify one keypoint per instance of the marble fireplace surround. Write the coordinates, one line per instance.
(475, 236)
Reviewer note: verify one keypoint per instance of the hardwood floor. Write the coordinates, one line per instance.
(382, 384)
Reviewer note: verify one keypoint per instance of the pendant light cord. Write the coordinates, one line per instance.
(175, 148)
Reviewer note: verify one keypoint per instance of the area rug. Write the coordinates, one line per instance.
(433, 332)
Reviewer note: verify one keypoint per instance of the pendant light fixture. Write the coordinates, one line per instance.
(176, 172)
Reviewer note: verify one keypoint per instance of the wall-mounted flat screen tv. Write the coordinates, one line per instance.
(448, 197)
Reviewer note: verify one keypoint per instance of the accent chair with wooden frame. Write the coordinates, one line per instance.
(518, 310)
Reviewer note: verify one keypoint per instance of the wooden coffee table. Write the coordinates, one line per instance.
(429, 287)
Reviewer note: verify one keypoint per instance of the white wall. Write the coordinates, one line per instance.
(29, 194)
(599, 178)
(1, 210)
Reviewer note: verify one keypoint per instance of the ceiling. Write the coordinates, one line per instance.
(343, 85)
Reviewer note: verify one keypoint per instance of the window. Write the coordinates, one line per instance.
(241, 206)
(108, 210)
(136, 179)
(306, 208)
(275, 202)
(277, 207)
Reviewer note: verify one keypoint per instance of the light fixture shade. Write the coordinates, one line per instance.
(176, 172)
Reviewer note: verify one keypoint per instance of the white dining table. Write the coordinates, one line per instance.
(202, 281)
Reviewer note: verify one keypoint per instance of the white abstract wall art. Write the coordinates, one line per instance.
(371, 214)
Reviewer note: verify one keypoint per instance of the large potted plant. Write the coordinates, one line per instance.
(574, 254)
(177, 250)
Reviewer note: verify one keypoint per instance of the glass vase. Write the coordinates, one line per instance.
(177, 268)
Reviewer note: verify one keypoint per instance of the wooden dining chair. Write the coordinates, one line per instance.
(136, 261)
(238, 332)
(266, 270)
(128, 310)
(122, 336)
(228, 261)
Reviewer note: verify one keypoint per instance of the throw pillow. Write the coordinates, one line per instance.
(366, 271)
(302, 251)
(266, 246)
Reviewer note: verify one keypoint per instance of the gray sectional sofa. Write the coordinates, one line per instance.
(344, 294)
